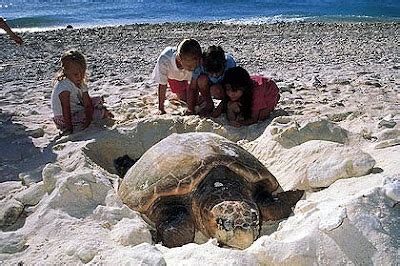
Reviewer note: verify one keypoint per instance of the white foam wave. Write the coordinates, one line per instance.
(262, 20)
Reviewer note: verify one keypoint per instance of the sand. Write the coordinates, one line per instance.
(343, 75)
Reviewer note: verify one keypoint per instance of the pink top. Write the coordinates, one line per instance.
(265, 95)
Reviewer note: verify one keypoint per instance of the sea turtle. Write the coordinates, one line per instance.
(203, 182)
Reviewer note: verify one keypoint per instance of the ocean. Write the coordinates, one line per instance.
(44, 14)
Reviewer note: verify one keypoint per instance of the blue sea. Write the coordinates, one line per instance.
(44, 14)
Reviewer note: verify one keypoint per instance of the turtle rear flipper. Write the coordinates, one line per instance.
(280, 206)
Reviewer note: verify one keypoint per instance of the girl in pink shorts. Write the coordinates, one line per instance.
(249, 99)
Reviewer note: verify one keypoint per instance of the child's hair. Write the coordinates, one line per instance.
(214, 59)
(189, 48)
(239, 79)
(71, 56)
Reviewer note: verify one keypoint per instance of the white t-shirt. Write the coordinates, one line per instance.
(75, 98)
(166, 68)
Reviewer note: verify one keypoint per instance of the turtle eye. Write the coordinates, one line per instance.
(254, 217)
(245, 226)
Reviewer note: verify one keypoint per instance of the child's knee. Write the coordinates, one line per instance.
(217, 91)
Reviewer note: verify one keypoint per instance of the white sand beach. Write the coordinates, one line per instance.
(335, 134)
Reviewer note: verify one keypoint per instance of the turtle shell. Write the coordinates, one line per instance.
(177, 164)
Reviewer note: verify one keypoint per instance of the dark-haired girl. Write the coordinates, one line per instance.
(248, 99)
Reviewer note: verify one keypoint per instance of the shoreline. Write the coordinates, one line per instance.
(353, 19)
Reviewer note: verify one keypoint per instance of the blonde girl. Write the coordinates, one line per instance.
(70, 100)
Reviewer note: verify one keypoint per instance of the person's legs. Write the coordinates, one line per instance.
(179, 88)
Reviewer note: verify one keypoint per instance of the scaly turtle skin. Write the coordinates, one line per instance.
(204, 182)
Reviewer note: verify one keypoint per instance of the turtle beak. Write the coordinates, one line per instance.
(236, 224)
(238, 237)
(242, 239)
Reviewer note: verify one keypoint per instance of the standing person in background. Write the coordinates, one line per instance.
(174, 67)
(8, 30)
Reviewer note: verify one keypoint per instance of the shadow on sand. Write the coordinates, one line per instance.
(18, 155)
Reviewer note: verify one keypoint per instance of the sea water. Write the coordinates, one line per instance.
(40, 14)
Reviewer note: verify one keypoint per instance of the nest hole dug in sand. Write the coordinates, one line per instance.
(108, 152)
(115, 152)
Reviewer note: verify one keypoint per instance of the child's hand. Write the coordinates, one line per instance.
(189, 112)
(234, 106)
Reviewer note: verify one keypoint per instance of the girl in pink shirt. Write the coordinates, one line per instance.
(249, 99)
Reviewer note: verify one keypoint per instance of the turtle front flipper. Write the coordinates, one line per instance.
(175, 226)
(279, 206)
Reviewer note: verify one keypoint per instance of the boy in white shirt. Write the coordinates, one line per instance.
(174, 67)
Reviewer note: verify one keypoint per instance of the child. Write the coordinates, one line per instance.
(174, 66)
(70, 100)
(210, 75)
(248, 99)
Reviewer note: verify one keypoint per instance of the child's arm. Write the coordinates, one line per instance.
(66, 110)
(232, 110)
(192, 95)
(162, 90)
(232, 113)
(87, 103)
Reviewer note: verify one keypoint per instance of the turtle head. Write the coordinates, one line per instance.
(236, 223)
